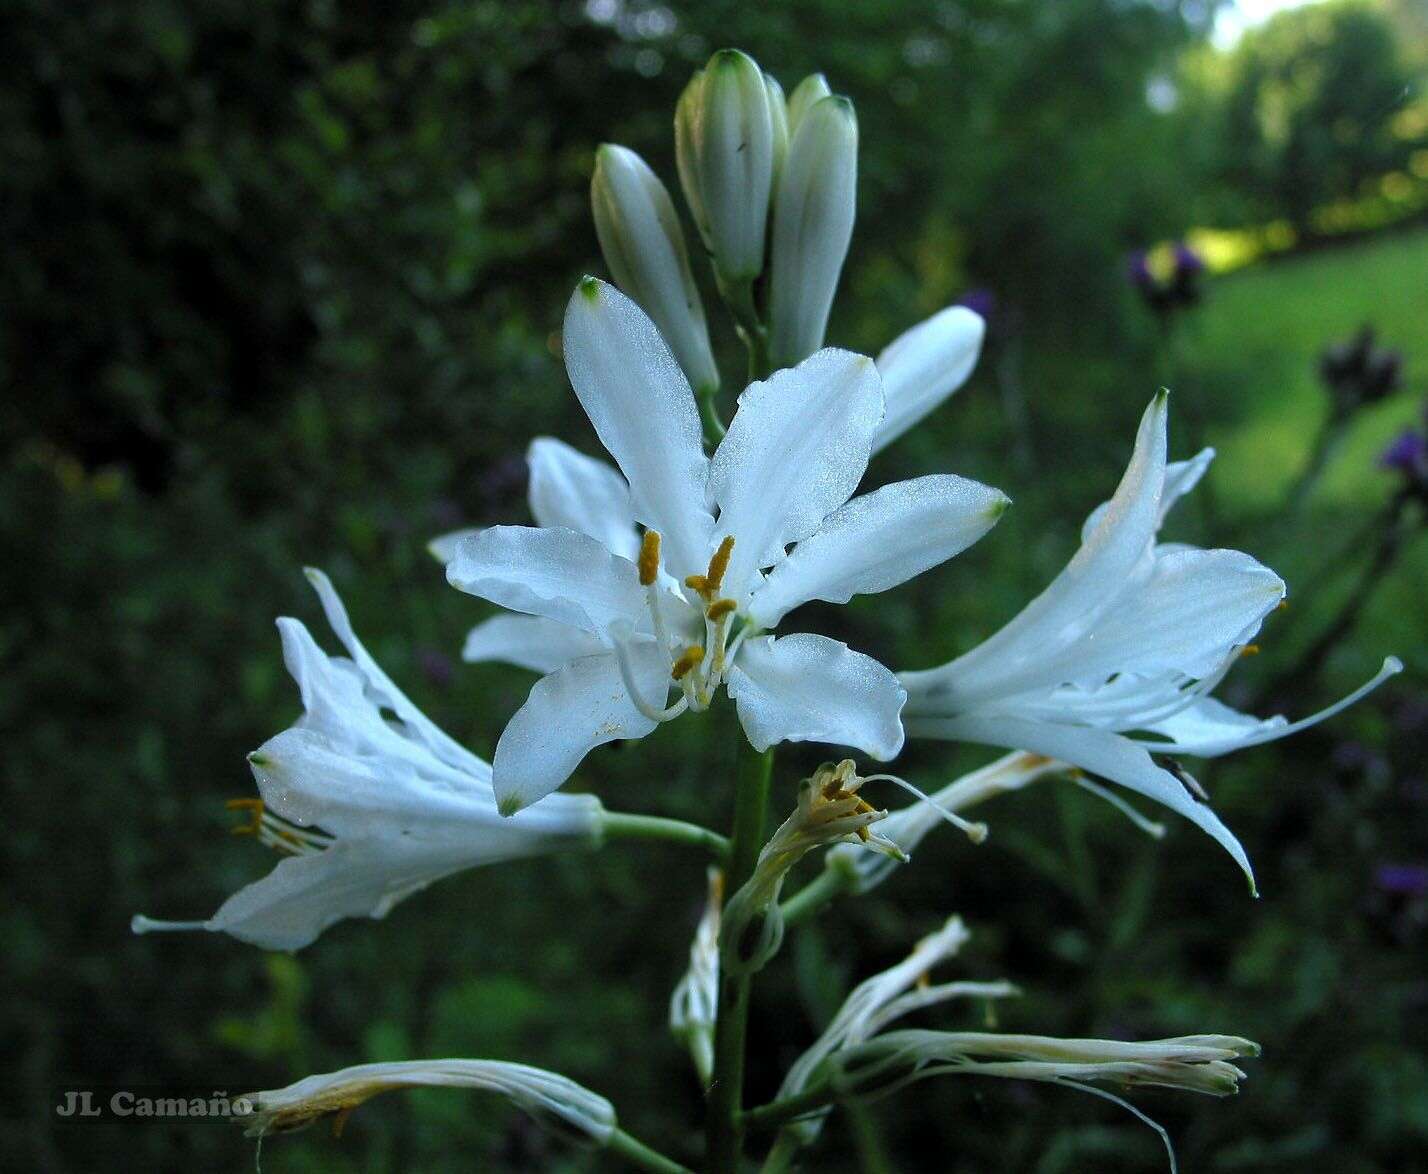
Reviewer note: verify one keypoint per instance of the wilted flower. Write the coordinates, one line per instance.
(693, 1007)
(688, 605)
(881, 1000)
(1192, 1063)
(1131, 636)
(829, 811)
(399, 803)
(554, 1101)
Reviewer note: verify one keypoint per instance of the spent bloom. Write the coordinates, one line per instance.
(1115, 660)
(554, 1101)
(693, 1007)
(368, 801)
(619, 618)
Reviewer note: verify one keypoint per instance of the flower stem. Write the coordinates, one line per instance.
(780, 1159)
(777, 1113)
(740, 300)
(618, 825)
(639, 1155)
(707, 398)
(723, 1130)
(813, 896)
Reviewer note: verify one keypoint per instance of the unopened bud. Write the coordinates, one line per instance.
(813, 88)
(724, 140)
(813, 223)
(643, 245)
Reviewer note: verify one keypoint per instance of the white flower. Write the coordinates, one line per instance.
(399, 803)
(1130, 637)
(924, 365)
(618, 620)
(643, 244)
(814, 207)
(694, 1005)
(881, 1000)
(553, 1100)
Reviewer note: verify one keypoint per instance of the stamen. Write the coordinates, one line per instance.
(697, 583)
(720, 563)
(254, 808)
(627, 675)
(649, 558)
(720, 608)
(690, 658)
(1250, 650)
(976, 832)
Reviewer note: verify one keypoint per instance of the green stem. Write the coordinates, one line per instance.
(617, 825)
(785, 1149)
(739, 297)
(724, 1136)
(709, 414)
(777, 1113)
(641, 1156)
(813, 896)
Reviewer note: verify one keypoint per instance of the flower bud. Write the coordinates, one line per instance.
(643, 245)
(813, 223)
(724, 137)
(778, 112)
(811, 89)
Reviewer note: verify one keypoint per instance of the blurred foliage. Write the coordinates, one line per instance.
(281, 289)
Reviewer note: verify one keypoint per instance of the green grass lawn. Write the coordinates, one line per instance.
(1253, 352)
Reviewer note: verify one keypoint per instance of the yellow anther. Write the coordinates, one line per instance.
(1250, 650)
(719, 609)
(1282, 605)
(649, 557)
(697, 583)
(254, 808)
(688, 659)
(720, 563)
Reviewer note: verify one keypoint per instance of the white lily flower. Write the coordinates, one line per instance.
(399, 803)
(643, 244)
(814, 207)
(554, 1101)
(1115, 659)
(692, 609)
(924, 365)
(694, 1005)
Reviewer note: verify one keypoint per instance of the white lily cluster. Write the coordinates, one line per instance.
(553, 1101)
(369, 801)
(730, 545)
(648, 585)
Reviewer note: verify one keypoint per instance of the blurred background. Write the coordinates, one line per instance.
(282, 285)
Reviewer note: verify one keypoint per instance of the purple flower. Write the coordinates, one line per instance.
(1407, 880)
(1138, 270)
(981, 301)
(1188, 262)
(1408, 453)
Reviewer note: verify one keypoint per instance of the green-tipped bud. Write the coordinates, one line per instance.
(725, 142)
(643, 245)
(813, 224)
(778, 112)
(811, 89)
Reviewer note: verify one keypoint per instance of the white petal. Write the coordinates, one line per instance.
(1116, 552)
(416, 724)
(530, 642)
(1180, 478)
(805, 688)
(1209, 732)
(443, 546)
(879, 540)
(568, 714)
(795, 451)
(1100, 752)
(644, 413)
(1195, 607)
(303, 895)
(569, 489)
(925, 365)
(560, 574)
